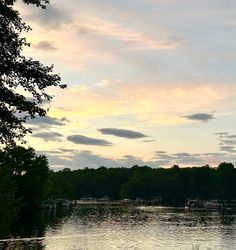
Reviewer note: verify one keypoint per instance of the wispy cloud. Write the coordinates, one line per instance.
(130, 134)
(193, 159)
(53, 18)
(227, 142)
(76, 159)
(204, 117)
(136, 39)
(48, 136)
(45, 46)
(230, 149)
(149, 140)
(154, 102)
(47, 121)
(81, 139)
(86, 158)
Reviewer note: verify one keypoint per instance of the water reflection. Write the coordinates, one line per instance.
(121, 227)
(29, 230)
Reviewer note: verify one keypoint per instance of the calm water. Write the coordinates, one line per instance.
(107, 227)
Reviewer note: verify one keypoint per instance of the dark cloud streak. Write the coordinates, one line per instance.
(47, 121)
(51, 18)
(122, 133)
(204, 117)
(149, 140)
(81, 139)
(48, 136)
(227, 142)
(45, 46)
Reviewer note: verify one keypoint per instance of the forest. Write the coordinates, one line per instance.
(26, 181)
(174, 185)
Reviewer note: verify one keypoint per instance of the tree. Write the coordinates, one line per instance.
(23, 82)
(9, 206)
(28, 171)
(227, 177)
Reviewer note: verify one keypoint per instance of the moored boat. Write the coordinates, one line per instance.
(198, 204)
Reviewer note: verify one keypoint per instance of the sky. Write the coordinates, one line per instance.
(150, 82)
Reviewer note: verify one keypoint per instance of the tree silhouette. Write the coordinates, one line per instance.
(174, 185)
(27, 171)
(23, 82)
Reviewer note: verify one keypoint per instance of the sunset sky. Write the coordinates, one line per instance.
(150, 82)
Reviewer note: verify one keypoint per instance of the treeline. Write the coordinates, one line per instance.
(174, 185)
(26, 181)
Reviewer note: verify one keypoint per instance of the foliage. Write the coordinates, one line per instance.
(27, 171)
(23, 82)
(23, 177)
(227, 180)
(9, 206)
(58, 186)
(174, 185)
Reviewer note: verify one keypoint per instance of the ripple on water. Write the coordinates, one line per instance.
(133, 228)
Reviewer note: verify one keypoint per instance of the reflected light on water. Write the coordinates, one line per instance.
(126, 227)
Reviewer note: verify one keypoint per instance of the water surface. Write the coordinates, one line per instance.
(123, 227)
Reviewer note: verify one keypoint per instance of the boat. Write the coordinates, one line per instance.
(194, 204)
(209, 205)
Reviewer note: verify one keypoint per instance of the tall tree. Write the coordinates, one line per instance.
(9, 206)
(23, 81)
(27, 171)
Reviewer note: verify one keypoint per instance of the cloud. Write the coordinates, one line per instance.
(76, 159)
(100, 26)
(161, 152)
(227, 142)
(189, 159)
(122, 133)
(231, 136)
(230, 149)
(182, 154)
(80, 139)
(149, 140)
(44, 101)
(47, 121)
(45, 46)
(165, 159)
(150, 102)
(163, 156)
(184, 159)
(221, 134)
(52, 17)
(200, 117)
(48, 136)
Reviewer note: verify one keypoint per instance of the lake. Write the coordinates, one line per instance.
(123, 227)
